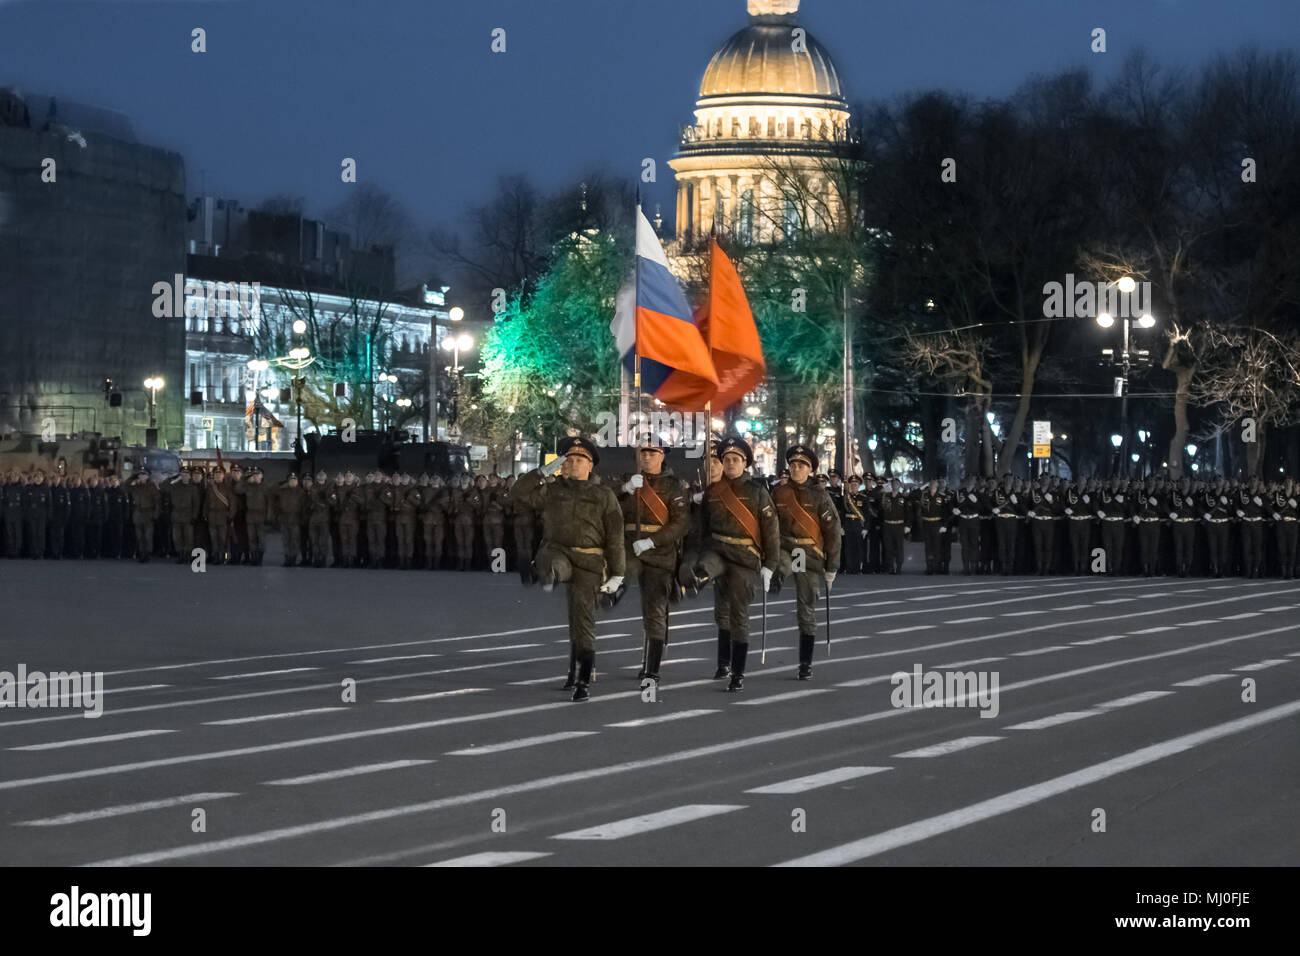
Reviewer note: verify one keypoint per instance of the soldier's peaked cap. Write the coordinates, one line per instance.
(577, 445)
(739, 446)
(801, 453)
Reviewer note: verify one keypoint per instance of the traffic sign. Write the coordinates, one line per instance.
(208, 424)
(1042, 451)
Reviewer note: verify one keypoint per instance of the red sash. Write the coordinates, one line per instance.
(806, 525)
(653, 504)
(738, 510)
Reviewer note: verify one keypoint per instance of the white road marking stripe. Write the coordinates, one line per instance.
(332, 824)
(122, 810)
(1296, 654)
(1114, 601)
(1100, 640)
(287, 670)
(1155, 630)
(931, 597)
(1240, 617)
(947, 747)
(676, 660)
(1041, 650)
(485, 650)
(436, 694)
(776, 698)
(535, 680)
(979, 660)
(1154, 594)
(345, 772)
(399, 657)
(678, 715)
(1027, 796)
(813, 781)
(258, 717)
(632, 826)
(904, 630)
(123, 690)
(1202, 681)
(80, 741)
(1198, 623)
(1280, 607)
(973, 593)
(1045, 722)
(1261, 665)
(968, 620)
(1132, 699)
(865, 681)
(490, 859)
(878, 604)
(521, 743)
(1068, 607)
(1022, 613)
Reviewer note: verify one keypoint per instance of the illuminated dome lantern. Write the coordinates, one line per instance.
(771, 106)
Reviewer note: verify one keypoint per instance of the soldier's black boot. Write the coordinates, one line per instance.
(608, 601)
(738, 654)
(585, 664)
(573, 662)
(654, 657)
(806, 644)
(724, 655)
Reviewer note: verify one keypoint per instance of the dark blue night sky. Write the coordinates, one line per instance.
(411, 90)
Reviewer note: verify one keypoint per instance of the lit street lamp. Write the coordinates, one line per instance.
(153, 383)
(455, 344)
(1127, 357)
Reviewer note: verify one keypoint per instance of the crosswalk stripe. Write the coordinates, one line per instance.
(535, 680)
(1261, 665)
(1155, 630)
(440, 693)
(345, 772)
(968, 620)
(521, 743)
(676, 660)
(662, 718)
(81, 741)
(1041, 650)
(1070, 607)
(259, 717)
(1100, 640)
(948, 747)
(1052, 721)
(1022, 613)
(865, 681)
(1115, 600)
(1132, 699)
(123, 690)
(978, 660)
(122, 810)
(486, 650)
(632, 826)
(500, 858)
(287, 670)
(1028, 796)
(1240, 617)
(1202, 681)
(931, 597)
(776, 698)
(904, 630)
(878, 603)
(813, 781)
(399, 657)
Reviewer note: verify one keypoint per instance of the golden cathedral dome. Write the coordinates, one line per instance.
(767, 57)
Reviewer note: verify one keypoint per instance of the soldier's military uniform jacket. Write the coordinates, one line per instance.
(895, 509)
(808, 519)
(1113, 504)
(1147, 506)
(664, 518)
(255, 501)
(581, 517)
(1251, 506)
(1283, 507)
(968, 505)
(740, 522)
(1217, 505)
(146, 499)
(1182, 507)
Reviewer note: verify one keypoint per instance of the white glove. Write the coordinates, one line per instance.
(1013, 500)
(1207, 516)
(767, 577)
(997, 511)
(1119, 498)
(1048, 496)
(956, 511)
(633, 483)
(943, 530)
(1069, 511)
(641, 546)
(1137, 520)
(906, 530)
(1276, 516)
(1223, 499)
(1101, 514)
(697, 497)
(864, 532)
(830, 579)
(1174, 516)
(1087, 500)
(971, 498)
(610, 586)
(1151, 500)
(1291, 502)
(1257, 501)
(1240, 513)
(1031, 513)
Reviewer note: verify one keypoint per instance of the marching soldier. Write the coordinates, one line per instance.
(406, 504)
(494, 517)
(185, 506)
(378, 503)
(1004, 501)
(855, 526)
(433, 519)
(655, 520)
(256, 505)
(582, 545)
(895, 523)
(60, 508)
(145, 499)
(524, 528)
(1041, 511)
(348, 500)
(1216, 515)
(466, 503)
(36, 513)
(1112, 511)
(217, 503)
(318, 519)
(933, 511)
(1182, 517)
(288, 508)
(1251, 511)
(96, 515)
(1286, 518)
(967, 508)
(1078, 512)
(1146, 518)
(742, 537)
(809, 522)
(115, 516)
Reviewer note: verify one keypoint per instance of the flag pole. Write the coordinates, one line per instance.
(636, 385)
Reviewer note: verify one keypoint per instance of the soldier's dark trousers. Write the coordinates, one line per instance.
(464, 543)
(1216, 533)
(319, 529)
(1080, 533)
(143, 538)
(256, 540)
(56, 532)
(376, 540)
(1112, 543)
(583, 586)
(405, 528)
(435, 533)
(735, 586)
(1149, 546)
(1044, 535)
(1252, 548)
(1007, 527)
(494, 537)
(75, 538)
(349, 531)
(893, 547)
(852, 560)
(876, 548)
(94, 539)
(930, 536)
(13, 537)
(524, 544)
(36, 536)
(183, 538)
(1184, 533)
(656, 585)
(971, 556)
(805, 589)
(113, 540)
(1288, 532)
(219, 530)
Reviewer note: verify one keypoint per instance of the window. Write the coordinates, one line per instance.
(193, 379)
(747, 215)
(790, 216)
(226, 378)
(210, 385)
(771, 126)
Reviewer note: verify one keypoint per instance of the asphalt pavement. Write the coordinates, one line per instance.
(272, 716)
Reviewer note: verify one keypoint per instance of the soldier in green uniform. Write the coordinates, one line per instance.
(347, 500)
(1285, 506)
(186, 504)
(524, 527)
(433, 520)
(256, 504)
(406, 503)
(467, 505)
(319, 512)
(933, 511)
(655, 521)
(810, 542)
(287, 508)
(379, 499)
(742, 544)
(493, 517)
(582, 544)
(895, 523)
(145, 499)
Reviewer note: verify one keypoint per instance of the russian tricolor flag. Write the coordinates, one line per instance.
(653, 322)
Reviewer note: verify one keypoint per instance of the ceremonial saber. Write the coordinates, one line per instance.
(763, 655)
(828, 619)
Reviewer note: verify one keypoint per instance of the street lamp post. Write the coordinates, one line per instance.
(153, 384)
(455, 344)
(455, 314)
(1128, 356)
